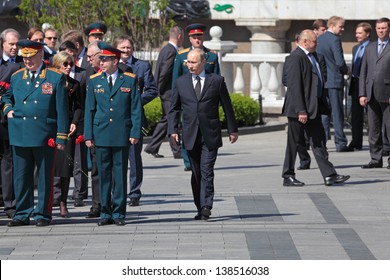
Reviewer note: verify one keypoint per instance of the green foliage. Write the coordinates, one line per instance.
(153, 113)
(245, 108)
(145, 20)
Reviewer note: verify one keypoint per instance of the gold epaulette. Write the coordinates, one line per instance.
(213, 51)
(184, 50)
(54, 70)
(95, 75)
(22, 69)
(130, 74)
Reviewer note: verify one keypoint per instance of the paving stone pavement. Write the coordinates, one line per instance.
(254, 216)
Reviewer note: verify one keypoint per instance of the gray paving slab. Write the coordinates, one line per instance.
(254, 216)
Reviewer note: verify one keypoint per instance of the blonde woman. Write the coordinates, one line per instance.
(63, 164)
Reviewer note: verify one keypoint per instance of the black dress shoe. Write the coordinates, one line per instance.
(198, 217)
(119, 222)
(303, 167)
(156, 155)
(93, 214)
(372, 165)
(385, 153)
(336, 179)
(78, 203)
(42, 222)
(105, 222)
(187, 169)
(206, 212)
(388, 167)
(178, 156)
(134, 201)
(18, 223)
(345, 149)
(10, 214)
(292, 182)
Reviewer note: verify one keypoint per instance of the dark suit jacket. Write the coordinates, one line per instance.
(6, 71)
(375, 73)
(76, 106)
(201, 114)
(302, 81)
(163, 72)
(329, 45)
(146, 84)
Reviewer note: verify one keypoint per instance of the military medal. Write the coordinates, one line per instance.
(47, 88)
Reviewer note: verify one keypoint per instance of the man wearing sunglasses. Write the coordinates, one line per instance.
(36, 105)
(51, 40)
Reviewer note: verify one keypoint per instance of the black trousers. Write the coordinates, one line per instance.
(202, 180)
(316, 134)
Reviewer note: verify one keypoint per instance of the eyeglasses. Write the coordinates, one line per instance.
(91, 56)
(51, 38)
(66, 64)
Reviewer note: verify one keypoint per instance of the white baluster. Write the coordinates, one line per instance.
(255, 81)
(239, 84)
(273, 84)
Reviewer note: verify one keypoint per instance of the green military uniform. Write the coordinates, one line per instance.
(40, 113)
(111, 118)
(180, 68)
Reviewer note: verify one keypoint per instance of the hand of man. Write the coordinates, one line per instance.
(302, 118)
(175, 137)
(10, 114)
(133, 141)
(89, 143)
(60, 147)
(363, 101)
(233, 137)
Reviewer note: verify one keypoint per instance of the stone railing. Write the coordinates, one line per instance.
(265, 76)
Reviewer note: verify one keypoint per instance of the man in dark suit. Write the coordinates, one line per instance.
(197, 97)
(36, 105)
(303, 106)
(7, 68)
(163, 76)
(362, 33)
(329, 45)
(374, 91)
(112, 123)
(195, 33)
(9, 39)
(76, 37)
(148, 91)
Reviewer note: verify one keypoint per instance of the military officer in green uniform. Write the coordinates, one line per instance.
(196, 35)
(112, 123)
(36, 105)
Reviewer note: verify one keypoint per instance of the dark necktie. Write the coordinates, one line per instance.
(198, 87)
(33, 76)
(314, 64)
(357, 61)
(110, 82)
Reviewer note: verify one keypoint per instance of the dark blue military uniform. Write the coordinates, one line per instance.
(111, 118)
(40, 112)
